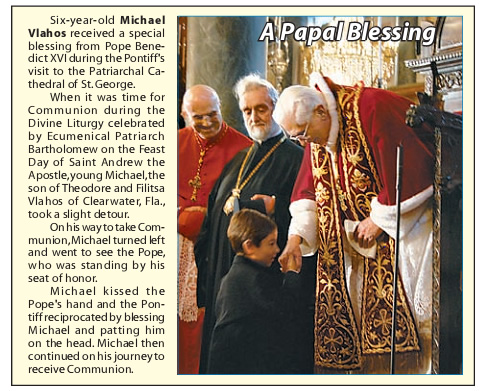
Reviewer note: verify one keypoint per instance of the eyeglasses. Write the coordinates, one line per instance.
(301, 136)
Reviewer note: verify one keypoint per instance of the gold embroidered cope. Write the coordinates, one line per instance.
(344, 187)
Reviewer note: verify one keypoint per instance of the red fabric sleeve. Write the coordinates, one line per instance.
(304, 188)
(382, 115)
(214, 161)
(189, 222)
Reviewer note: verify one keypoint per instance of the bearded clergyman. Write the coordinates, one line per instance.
(260, 177)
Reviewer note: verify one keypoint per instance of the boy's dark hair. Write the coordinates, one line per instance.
(249, 224)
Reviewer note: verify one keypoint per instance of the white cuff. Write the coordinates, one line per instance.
(304, 223)
(385, 216)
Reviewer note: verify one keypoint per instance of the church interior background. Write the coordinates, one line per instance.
(217, 51)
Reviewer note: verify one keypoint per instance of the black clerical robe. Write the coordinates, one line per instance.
(213, 251)
(254, 321)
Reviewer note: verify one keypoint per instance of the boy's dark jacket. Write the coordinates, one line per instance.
(254, 317)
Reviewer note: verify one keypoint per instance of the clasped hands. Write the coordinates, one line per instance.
(196, 208)
(269, 202)
(366, 233)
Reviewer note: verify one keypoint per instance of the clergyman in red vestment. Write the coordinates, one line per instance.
(204, 148)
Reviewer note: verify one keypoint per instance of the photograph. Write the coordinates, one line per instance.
(320, 167)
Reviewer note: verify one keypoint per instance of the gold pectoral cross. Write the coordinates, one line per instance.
(195, 183)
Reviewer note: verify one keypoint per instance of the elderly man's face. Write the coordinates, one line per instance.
(257, 110)
(316, 130)
(204, 116)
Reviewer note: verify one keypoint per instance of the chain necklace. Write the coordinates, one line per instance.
(195, 183)
(231, 203)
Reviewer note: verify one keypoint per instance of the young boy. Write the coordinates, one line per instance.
(254, 305)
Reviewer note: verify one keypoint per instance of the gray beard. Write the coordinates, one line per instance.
(260, 135)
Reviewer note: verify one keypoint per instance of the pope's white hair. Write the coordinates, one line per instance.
(298, 102)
